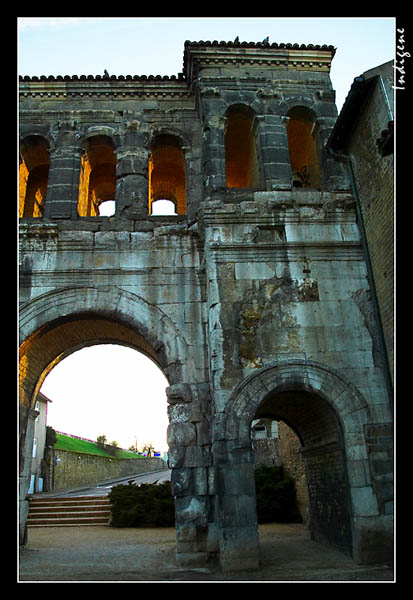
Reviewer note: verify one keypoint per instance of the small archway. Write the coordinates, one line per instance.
(97, 180)
(241, 163)
(325, 411)
(303, 148)
(33, 176)
(319, 432)
(167, 180)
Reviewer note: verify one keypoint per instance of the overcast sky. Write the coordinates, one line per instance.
(97, 390)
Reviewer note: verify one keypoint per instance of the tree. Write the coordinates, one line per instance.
(101, 441)
(148, 448)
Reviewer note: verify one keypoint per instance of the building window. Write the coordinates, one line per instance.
(302, 148)
(241, 164)
(167, 181)
(33, 176)
(34, 450)
(97, 181)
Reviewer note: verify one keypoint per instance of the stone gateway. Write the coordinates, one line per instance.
(252, 295)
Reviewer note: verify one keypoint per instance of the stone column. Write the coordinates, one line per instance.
(132, 173)
(213, 153)
(189, 458)
(334, 171)
(275, 156)
(63, 185)
(236, 506)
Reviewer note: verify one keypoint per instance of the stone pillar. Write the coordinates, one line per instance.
(132, 179)
(275, 156)
(63, 185)
(236, 506)
(213, 153)
(189, 458)
(334, 171)
(27, 418)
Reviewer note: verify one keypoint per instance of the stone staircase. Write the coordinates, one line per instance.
(69, 511)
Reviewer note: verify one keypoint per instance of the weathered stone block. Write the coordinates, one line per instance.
(181, 434)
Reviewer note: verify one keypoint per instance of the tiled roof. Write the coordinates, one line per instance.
(101, 77)
(261, 45)
(180, 76)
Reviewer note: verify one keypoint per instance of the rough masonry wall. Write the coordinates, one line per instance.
(74, 469)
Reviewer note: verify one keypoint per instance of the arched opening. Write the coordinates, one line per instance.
(51, 343)
(327, 413)
(93, 393)
(241, 162)
(97, 180)
(167, 176)
(33, 176)
(321, 454)
(57, 323)
(163, 208)
(303, 149)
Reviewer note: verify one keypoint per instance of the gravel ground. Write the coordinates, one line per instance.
(102, 553)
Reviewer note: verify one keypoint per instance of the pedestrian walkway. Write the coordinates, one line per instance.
(96, 553)
(103, 488)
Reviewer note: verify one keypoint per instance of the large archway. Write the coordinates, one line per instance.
(328, 414)
(56, 324)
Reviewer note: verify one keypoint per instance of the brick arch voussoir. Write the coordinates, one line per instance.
(159, 332)
(343, 397)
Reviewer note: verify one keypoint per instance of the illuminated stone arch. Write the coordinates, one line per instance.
(34, 165)
(97, 179)
(167, 169)
(241, 161)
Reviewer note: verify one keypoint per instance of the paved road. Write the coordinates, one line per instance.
(103, 489)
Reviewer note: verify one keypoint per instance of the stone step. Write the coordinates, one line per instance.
(74, 511)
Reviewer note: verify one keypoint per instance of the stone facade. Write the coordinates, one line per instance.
(253, 299)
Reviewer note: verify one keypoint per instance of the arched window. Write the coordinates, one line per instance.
(241, 162)
(33, 176)
(302, 148)
(97, 182)
(167, 175)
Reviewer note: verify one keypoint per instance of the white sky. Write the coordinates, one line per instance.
(124, 397)
(110, 390)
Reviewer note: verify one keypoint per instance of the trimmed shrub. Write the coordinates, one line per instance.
(276, 499)
(145, 505)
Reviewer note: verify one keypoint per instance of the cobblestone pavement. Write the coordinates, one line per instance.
(103, 553)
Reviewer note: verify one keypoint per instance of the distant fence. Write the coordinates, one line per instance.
(70, 469)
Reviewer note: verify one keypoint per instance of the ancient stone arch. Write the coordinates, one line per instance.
(60, 322)
(336, 411)
(155, 334)
(252, 300)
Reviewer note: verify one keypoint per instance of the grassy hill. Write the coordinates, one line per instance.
(66, 442)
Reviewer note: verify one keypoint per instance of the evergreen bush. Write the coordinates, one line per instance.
(145, 505)
(276, 498)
